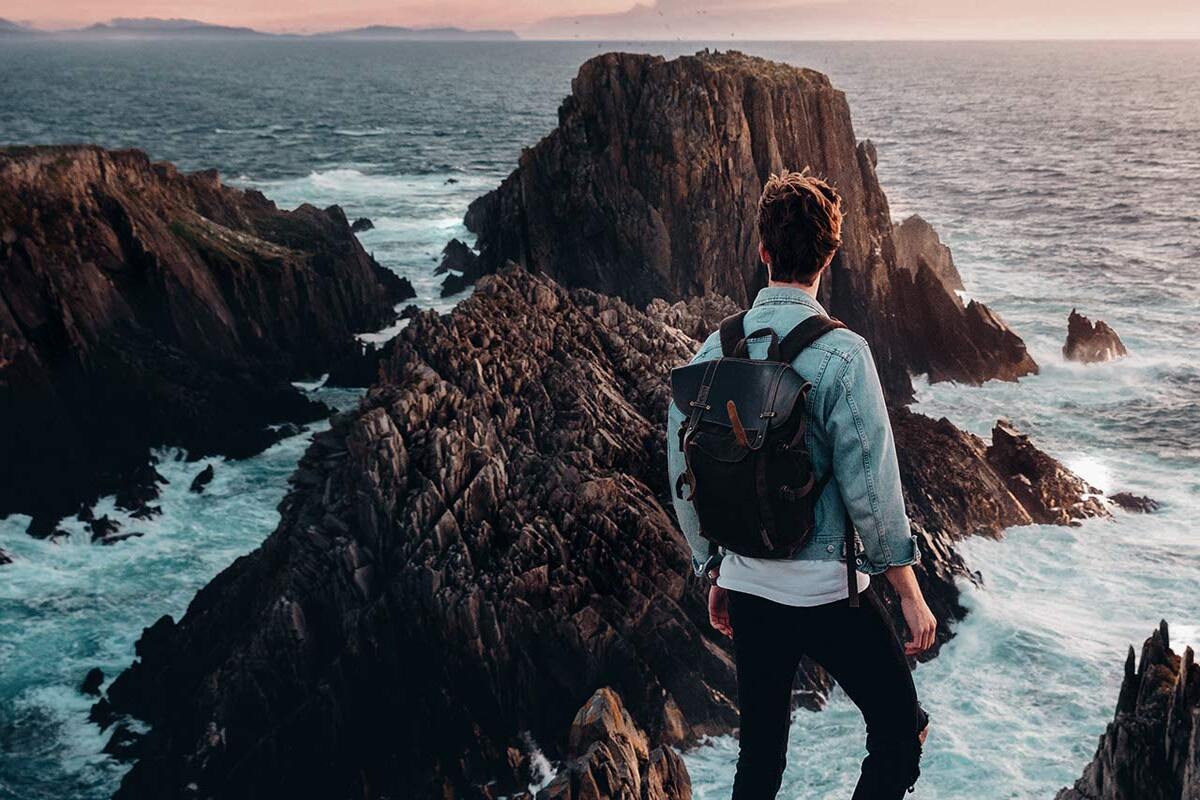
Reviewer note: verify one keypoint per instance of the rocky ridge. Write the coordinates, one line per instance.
(648, 189)
(474, 552)
(1151, 749)
(141, 306)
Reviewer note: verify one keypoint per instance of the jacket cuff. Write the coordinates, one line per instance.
(904, 553)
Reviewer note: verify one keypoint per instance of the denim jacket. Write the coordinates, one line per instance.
(849, 433)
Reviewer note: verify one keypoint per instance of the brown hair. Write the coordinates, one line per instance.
(800, 225)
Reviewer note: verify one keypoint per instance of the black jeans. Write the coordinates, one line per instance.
(859, 648)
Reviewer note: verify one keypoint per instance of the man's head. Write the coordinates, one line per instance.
(799, 227)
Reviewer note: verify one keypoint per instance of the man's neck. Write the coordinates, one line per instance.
(808, 288)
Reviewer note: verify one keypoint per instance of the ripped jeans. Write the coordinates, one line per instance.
(859, 648)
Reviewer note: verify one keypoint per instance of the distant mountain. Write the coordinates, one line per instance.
(396, 33)
(153, 27)
(8, 28)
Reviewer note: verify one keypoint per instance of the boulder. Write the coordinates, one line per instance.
(1151, 749)
(92, 682)
(361, 224)
(648, 189)
(203, 479)
(141, 306)
(1138, 503)
(1091, 343)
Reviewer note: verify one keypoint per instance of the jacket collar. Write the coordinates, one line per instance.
(783, 295)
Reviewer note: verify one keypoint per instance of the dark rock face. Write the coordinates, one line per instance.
(1151, 750)
(611, 758)
(917, 241)
(361, 224)
(1091, 343)
(92, 682)
(472, 554)
(142, 306)
(648, 189)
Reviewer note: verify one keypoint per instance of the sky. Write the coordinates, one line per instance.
(666, 19)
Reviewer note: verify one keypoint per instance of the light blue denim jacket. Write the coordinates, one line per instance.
(849, 433)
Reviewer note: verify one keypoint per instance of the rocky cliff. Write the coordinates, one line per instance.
(1151, 749)
(648, 189)
(464, 560)
(142, 306)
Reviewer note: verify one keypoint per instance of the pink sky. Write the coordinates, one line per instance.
(667, 19)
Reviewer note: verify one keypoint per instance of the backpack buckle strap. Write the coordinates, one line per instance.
(699, 406)
(851, 560)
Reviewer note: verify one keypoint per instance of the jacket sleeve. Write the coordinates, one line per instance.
(685, 512)
(865, 466)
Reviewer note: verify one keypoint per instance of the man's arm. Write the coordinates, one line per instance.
(868, 474)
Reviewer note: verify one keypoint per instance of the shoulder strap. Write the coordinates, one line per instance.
(732, 332)
(802, 335)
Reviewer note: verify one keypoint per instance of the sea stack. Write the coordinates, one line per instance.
(141, 306)
(649, 185)
(1091, 343)
(1151, 749)
(917, 241)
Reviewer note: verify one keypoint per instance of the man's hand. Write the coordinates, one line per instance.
(922, 625)
(718, 609)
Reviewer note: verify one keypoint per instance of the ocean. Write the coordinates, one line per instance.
(1062, 174)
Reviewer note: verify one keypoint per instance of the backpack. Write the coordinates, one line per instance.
(748, 472)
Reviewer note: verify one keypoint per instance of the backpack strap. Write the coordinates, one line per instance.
(803, 335)
(732, 333)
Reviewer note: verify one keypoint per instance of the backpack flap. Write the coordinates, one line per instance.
(764, 393)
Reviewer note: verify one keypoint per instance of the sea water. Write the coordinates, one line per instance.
(1061, 174)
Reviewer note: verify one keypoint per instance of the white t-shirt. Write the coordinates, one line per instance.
(793, 583)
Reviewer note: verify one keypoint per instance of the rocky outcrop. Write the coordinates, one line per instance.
(1091, 343)
(916, 241)
(1052, 494)
(1151, 749)
(472, 554)
(1138, 503)
(610, 757)
(142, 306)
(462, 264)
(648, 189)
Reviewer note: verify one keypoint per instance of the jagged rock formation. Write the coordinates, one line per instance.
(460, 258)
(917, 241)
(468, 557)
(1151, 749)
(611, 758)
(648, 188)
(1052, 494)
(140, 306)
(1091, 343)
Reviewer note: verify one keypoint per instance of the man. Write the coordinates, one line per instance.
(778, 611)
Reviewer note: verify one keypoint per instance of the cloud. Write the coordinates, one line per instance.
(881, 19)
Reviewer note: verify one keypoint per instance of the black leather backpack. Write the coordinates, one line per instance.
(748, 472)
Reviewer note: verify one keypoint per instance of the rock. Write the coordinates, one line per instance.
(611, 758)
(1134, 502)
(1151, 749)
(142, 306)
(45, 526)
(202, 479)
(120, 537)
(103, 528)
(410, 311)
(473, 552)
(5, 558)
(139, 488)
(917, 241)
(648, 189)
(465, 264)
(92, 682)
(361, 224)
(1091, 343)
(1050, 493)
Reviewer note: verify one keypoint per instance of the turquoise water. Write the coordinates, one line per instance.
(1062, 175)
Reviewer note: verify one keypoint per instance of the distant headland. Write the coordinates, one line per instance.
(154, 28)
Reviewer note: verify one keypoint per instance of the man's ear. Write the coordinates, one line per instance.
(763, 255)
